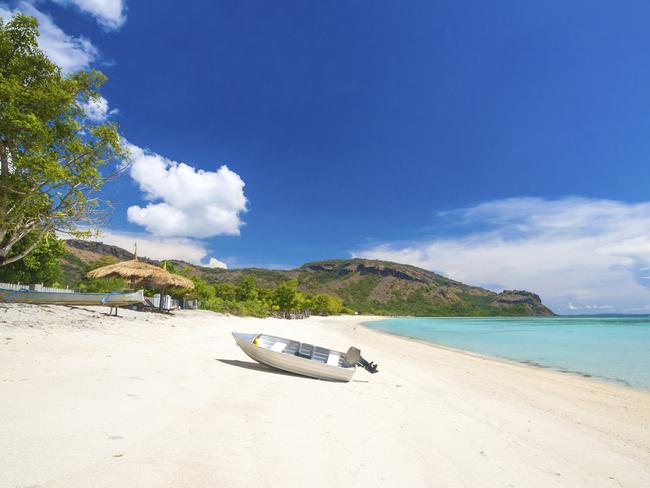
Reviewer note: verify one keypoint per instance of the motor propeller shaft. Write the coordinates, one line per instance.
(353, 357)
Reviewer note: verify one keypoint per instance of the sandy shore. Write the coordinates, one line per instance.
(155, 401)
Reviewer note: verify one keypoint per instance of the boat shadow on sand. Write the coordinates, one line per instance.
(258, 367)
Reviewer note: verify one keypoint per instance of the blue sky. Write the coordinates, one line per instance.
(477, 139)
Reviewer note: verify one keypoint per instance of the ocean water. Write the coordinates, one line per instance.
(614, 349)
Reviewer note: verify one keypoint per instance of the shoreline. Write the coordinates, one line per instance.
(522, 363)
(150, 400)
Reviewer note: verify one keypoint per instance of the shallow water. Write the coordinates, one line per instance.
(611, 348)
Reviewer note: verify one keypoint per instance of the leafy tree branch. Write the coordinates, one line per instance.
(53, 158)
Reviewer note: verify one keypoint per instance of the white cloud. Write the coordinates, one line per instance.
(70, 52)
(215, 263)
(184, 201)
(600, 308)
(572, 251)
(97, 110)
(157, 248)
(109, 13)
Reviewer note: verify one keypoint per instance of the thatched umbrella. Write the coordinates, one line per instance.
(139, 272)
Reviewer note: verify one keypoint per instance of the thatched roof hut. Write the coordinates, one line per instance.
(139, 272)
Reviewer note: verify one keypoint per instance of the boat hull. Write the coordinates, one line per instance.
(291, 363)
(86, 299)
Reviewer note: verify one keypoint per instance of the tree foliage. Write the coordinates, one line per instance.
(51, 153)
(226, 291)
(245, 298)
(287, 296)
(324, 304)
(39, 266)
(246, 289)
(202, 290)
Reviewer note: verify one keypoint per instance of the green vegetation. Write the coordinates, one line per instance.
(324, 304)
(246, 298)
(41, 265)
(72, 269)
(329, 287)
(357, 293)
(51, 152)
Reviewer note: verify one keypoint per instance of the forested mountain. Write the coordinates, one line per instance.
(366, 286)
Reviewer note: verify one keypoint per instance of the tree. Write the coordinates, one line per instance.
(324, 304)
(202, 290)
(265, 297)
(246, 289)
(169, 266)
(51, 152)
(286, 295)
(40, 266)
(226, 291)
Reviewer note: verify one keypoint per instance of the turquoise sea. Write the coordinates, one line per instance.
(610, 348)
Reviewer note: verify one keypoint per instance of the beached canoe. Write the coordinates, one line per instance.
(113, 299)
(302, 358)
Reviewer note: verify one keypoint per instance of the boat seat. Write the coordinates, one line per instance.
(305, 350)
(333, 358)
(320, 354)
(265, 341)
(292, 348)
(278, 346)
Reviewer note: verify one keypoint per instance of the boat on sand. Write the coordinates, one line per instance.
(113, 299)
(302, 358)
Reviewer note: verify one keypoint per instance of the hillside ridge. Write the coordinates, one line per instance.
(367, 286)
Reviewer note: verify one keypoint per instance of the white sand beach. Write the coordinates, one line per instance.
(146, 400)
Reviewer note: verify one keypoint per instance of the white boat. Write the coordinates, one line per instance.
(113, 299)
(302, 358)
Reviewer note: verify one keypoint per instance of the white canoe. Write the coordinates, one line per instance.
(296, 357)
(53, 298)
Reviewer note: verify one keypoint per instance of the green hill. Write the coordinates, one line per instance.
(367, 286)
(386, 288)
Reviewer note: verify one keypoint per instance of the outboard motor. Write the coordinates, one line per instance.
(353, 357)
